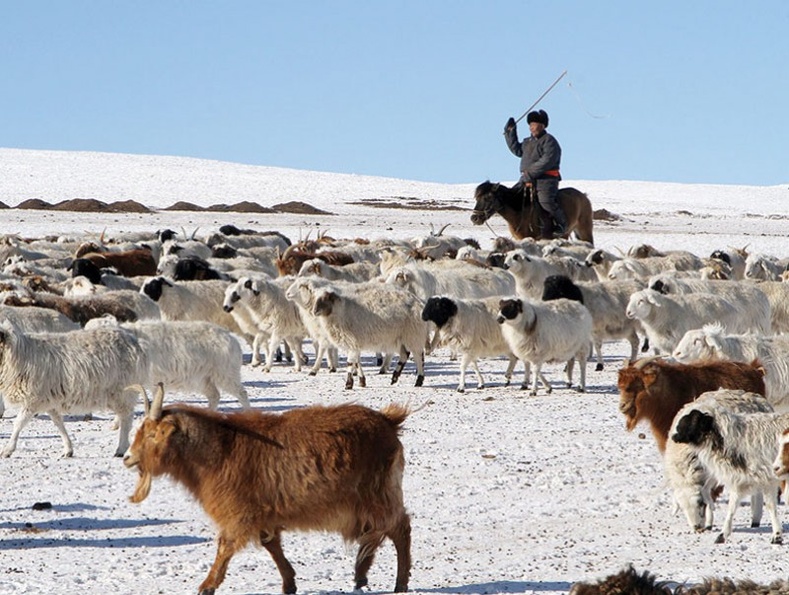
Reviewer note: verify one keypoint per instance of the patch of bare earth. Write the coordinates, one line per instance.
(299, 208)
(410, 203)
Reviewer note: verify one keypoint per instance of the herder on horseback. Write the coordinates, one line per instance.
(540, 155)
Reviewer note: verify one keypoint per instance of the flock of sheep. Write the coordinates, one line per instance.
(84, 324)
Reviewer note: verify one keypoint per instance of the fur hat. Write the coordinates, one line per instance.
(538, 116)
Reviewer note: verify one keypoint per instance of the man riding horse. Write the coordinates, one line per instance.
(540, 156)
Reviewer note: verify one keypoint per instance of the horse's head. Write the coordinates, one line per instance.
(487, 202)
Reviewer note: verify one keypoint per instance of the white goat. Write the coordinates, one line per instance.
(274, 315)
(540, 332)
(302, 293)
(375, 317)
(76, 372)
(470, 328)
(764, 267)
(456, 278)
(190, 356)
(777, 293)
(690, 481)
(666, 318)
(739, 451)
(628, 268)
(711, 343)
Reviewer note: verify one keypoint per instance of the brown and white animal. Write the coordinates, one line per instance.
(256, 474)
(654, 390)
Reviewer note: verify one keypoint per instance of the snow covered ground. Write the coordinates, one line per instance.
(508, 493)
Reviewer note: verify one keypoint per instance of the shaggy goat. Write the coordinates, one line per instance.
(76, 372)
(739, 451)
(256, 474)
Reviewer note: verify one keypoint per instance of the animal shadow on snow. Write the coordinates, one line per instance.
(503, 587)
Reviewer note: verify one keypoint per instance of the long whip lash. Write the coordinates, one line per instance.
(539, 99)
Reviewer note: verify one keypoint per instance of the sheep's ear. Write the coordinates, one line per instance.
(713, 341)
(651, 299)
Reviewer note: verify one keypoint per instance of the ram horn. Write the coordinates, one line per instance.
(638, 365)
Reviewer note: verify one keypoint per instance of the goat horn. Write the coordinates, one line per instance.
(155, 413)
(194, 233)
(101, 237)
(644, 361)
(440, 231)
(145, 402)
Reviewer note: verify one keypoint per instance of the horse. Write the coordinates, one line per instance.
(524, 220)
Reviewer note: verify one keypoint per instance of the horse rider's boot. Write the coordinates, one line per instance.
(546, 225)
(561, 221)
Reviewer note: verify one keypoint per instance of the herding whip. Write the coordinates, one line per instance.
(539, 99)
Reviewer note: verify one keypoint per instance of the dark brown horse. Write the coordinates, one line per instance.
(523, 218)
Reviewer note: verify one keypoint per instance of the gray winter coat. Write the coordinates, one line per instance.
(538, 155)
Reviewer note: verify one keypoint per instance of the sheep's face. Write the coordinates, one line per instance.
(639, 306)
(781, 463)
(695, 427)
(692, 347)
(509, 310)
(516, 261)
(147, 452)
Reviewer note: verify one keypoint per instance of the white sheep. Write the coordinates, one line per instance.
(470, 328)
(606, 302)
(777, 293)
(375, 317)
(600, 262)
(453, 277)
(628, 268)
(765, 267)
(711, 343)
(666, 318)
(75, 372)
(751, 302)
(739, 451)
(529, 272)
(690, 481)
(540, 332)
(274, 315)
(192, 300)
(302, 293)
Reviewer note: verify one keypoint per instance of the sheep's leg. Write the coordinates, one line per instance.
(274, 547)
(2, 406)
(333, 359)
(300, 357)
(419, 360)
(734, 501)
(212, 393)
(23, 417)
(709, 502)
(401, 537)
(757, 505)
(320, 351)
(368, 545)
(598, 349)
(463, 365)
(536, 377)
(771, 502)
(242, 396)
(402, 358)
(385, 363)
(582, 372)
(57, 419)
(271, 346)
(633, 339)
(125, 420)
(353, 363)
(256, 349)
(526, 375)
(568, 368)
(510, 369)
(225, 550)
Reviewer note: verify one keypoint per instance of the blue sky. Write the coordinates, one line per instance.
(692, 92)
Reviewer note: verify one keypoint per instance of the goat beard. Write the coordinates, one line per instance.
(142, 489)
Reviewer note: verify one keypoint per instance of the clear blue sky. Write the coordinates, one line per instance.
(679, 91)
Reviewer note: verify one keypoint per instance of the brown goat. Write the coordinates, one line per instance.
(655, 390)
(79, 309)
(256, 474)
(630, 582)
(291, 260)
(129, 263)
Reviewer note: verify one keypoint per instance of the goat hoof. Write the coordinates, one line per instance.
(754, 524)
(419, 380)
(379, 361)
(349, 381)
(362, 381)
(598, 368)
(207, 591)
(720, 539)
(777, 540)
(524, 386)
(461, 390)
(313, 374)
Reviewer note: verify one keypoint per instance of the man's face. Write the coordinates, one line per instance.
(536, 128)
